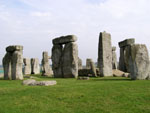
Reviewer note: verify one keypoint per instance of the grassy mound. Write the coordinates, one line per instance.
(97, 95)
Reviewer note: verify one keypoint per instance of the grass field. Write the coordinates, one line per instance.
(98, 95)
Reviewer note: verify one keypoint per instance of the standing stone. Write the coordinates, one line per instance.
(27, 66)
(105, 54)
(35, 67)
(46, 69)
(57, 61)
(139, 62)
(90, 65)
(123, 45)
(114, 58)
(12, 63)
(70, 60)
(79, 63)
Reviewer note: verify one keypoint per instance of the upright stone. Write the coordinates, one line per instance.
(139, 62)
(114, 58)
(79, 63)
(12, 62)
(35, 67)
(90, 65)
(57, 61)
(46, 69)
(27, 66)
(70, 60)
(105, 54)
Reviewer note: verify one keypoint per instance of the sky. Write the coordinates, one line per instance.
(34, 23)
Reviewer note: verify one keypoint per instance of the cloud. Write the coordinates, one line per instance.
(34, 24)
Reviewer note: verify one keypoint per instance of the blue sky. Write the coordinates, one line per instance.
(34, 23)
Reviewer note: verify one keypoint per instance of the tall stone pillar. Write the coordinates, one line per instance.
(46, 69)
(80, 64)
(12, 63)
(57, 61)
(35, 67)
(70, 60)
(27, 66)
(105, 54)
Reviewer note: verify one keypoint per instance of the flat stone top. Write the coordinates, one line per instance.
(13, 48)
(64, 39)
(126, 42)
(113, 48)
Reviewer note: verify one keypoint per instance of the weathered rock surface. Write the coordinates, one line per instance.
(46, 69)
(57, 61)
(139, 62)
(32, 82)
(27, 66)
(70, 60)
(114, 58)
(12, 62)
(64, 39)
(35, 67)
(105, 54)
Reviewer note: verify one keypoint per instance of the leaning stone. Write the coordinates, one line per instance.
(64, 39)
(57, 61)
(139, 62)
(105, 54)
(126, 42)
(70, 60)
(27, 66)
(35, 67)
(90, 65)
(79, 63)
(114, 58)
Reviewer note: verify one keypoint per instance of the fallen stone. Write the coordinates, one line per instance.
(118, 73)
(31, 82)
(83, 78)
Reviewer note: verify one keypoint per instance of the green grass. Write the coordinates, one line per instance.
(98, 95)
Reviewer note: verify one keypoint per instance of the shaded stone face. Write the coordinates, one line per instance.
(35, 67)
(139, 62)
(57, 61)
(90, 65)
(70, 60)
(46, 69)
(114, 58)
(105, 54)
(12, 63)
(27, 66)
(64, 39)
